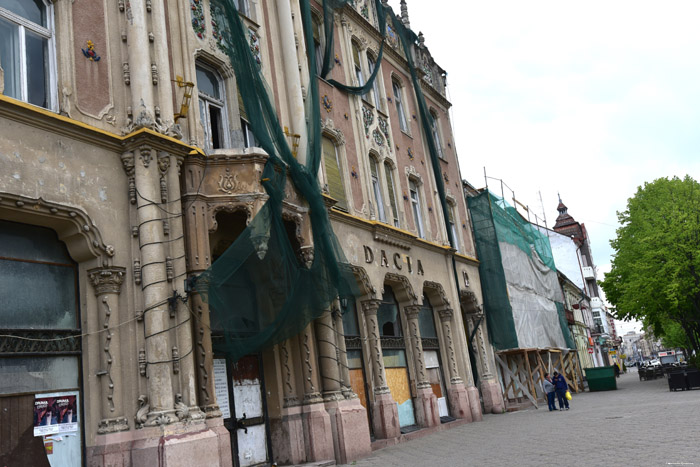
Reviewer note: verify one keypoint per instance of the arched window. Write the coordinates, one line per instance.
(318, 42)
(377, 188)
(27, 55)
(416, 207)
(426, 320)
(452, 221)
(398, 102)
(334, 179)
(371, 65)
(356, 64)
(435, 127)
(389, 172)
(212, 107)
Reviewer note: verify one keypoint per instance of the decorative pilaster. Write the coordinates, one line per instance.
(427, 412)
(458, 398)
(385, 414)
(346, 386)
(107, 282)
(288, 378)
(446, 322)
(309, 370)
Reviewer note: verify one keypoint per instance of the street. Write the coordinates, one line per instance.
(641, 423)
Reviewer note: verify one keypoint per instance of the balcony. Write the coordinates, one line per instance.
(588, 272)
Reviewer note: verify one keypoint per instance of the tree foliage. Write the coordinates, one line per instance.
(655, 274)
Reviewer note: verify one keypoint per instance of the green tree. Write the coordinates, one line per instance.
(655, 274)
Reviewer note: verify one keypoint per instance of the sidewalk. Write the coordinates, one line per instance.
(640, 424)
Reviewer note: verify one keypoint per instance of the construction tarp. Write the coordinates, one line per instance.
(522, 298)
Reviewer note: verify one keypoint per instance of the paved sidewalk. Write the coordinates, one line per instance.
(640, 424)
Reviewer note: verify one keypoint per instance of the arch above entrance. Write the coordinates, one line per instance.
(73, 225)
(402, 288)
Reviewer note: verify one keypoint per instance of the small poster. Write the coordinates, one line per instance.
(221, 387)
(55, 415)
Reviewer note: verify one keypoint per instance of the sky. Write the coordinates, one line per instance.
(588, 100)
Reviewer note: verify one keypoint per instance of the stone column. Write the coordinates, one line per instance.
(457, 396)
(316, 421)
(138, 66)
(287, 432)
(427, 412)
(157, 360)
(345, 385)
(490, 386)
(385, 414)
(347, 416)
(107, 282)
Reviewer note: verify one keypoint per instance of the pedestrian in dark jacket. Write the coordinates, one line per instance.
(561, 388)
(550, 390)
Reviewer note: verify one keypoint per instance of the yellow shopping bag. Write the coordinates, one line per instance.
(568, 396)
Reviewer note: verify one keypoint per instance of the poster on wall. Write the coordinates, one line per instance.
(55, 415)
(221, 387)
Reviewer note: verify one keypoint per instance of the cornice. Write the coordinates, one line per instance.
(46, 120)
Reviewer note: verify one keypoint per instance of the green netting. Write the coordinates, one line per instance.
(496, 222)
(258, 291)
(499, 314)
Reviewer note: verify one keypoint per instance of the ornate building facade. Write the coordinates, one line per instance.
(128, 165)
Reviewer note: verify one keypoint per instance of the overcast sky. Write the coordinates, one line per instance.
(588, 99)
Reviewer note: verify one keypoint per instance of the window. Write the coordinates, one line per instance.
(356, 65)
(318, 43)
(249, 140)
(212, 107)
(389, 170)
(388, 314)
(436, 133)
(243, 7)
(377, 188)
(452, 227)
(415, 204)
(426, 320)
(371, 64)
(27, 51)
(333, 177)
(396, 87)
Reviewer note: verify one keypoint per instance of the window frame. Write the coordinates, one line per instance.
(371, 65)
(377, 188)
(437, 134)
(342, 204)
(452, 219)
(47, 32)
(416, 207)
(391, 188)
(317, 27)
(207, 101)
(397, 91)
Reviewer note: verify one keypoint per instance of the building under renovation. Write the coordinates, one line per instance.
(231, 233)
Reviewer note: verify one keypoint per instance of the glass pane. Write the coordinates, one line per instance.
(33, 10)
(32, 374)
(426, 322)
(37, 69)
(30, 242)
(350, 326)
(354, 359)
(388, 315)
(394, 358)
(208, 83)
(37, 296)
(9, 58)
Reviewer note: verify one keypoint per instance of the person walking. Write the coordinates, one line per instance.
(550, 390)
(561, 387)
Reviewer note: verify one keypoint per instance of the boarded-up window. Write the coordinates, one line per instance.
(333, 177)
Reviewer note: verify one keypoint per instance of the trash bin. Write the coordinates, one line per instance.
(601, 378)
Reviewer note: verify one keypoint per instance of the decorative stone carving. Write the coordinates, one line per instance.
(412, 173)
(182, 412)
(169, 270)
(228, 182)
(126, 73)
(328, 126)
(142, 362)
(176, 360)
(363, 278)
(405, 284)
(412, 313)
(154, 74)
(163, 166)
(112, 425)
(145, 154)
(306, 255)
(369, 308)
(107, 279)
(142, 412)
(137, 272)
(439, 290)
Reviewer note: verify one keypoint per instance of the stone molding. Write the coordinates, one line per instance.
(107, 279)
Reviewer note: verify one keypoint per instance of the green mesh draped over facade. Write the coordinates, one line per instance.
(258, 291)
(522, 296)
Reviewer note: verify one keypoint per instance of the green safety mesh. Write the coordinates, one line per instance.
(259, 292)
(495, 221)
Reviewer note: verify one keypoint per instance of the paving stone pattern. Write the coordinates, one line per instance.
(639, 424)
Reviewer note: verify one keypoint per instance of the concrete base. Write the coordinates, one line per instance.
(385, 417)
(458, 400)
(169, 446)
(287, 435)
(427, 412)
(318, 436)
(350, 430)
(475, 403)
(493, 397)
